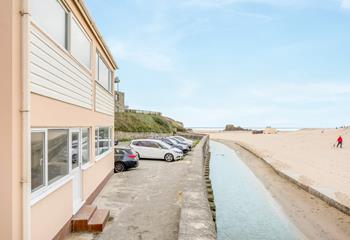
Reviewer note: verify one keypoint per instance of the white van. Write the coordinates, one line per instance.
(155, 149)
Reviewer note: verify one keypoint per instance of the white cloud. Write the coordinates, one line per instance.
(188, 88)
(303, 92)
(345, 4)
(145, 56)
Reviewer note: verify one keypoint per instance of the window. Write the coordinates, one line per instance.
(57, 22)
(58, 154)
(111, 142)
(96, 142)
(102, 140)
(51, 151)
(80, 44)
(52, 18)
(38, 160)
(85, 143)
(104, 74)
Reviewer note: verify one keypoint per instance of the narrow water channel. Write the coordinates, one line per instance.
(245, 210)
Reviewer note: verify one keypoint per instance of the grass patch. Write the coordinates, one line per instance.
(137, 122)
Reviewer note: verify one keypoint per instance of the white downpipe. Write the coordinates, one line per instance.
(26, 133)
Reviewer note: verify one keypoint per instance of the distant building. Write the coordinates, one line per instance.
(270, 130)
(120, 101)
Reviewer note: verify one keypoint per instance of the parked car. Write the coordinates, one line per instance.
(125, 158)
(155, 149)
(178, 141)
(183, 139)
(183, 147)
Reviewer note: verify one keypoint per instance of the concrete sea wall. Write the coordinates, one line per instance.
(197, 219)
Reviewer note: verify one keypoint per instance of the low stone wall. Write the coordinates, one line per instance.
(135, 135)
(196, 220)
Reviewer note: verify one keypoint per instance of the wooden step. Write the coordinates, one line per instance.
(98, 220)
(81, 219)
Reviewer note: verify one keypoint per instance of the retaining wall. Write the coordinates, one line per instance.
(135, 135)
(196, 220)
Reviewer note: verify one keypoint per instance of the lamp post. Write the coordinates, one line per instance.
(117, 81)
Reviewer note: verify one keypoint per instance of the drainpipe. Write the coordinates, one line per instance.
(25, 114)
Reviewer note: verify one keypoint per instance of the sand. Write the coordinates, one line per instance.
(314, 218)
(306, 155)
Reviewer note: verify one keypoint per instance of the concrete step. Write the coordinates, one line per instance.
(81, 219)
(98, 220)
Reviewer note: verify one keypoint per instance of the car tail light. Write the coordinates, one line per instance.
(132, 155)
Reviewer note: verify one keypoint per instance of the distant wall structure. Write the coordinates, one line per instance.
(119, 101)
(123, 136)
(143, 112)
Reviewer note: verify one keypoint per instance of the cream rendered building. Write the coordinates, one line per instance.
(56, 115)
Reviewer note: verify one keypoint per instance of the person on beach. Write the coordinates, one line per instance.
(340, 142)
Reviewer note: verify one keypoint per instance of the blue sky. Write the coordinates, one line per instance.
(282, 63)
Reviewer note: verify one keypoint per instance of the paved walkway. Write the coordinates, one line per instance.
(144, 202)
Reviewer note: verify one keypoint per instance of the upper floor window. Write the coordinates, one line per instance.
(103, 73)
(80, 44)
(52, 17)
(63, 28)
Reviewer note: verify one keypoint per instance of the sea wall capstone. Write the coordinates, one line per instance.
(196, 220)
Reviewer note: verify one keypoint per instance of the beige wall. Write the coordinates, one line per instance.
(47, 112)
(52, 213)
(55, 210)
(10, 121)
(94, 175)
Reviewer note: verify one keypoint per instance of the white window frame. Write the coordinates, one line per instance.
(89, 145)
(45, 183)
(47, 188)
(44, 191)
(67, 48)
(67, 28)
(110, 148)
(110, 73)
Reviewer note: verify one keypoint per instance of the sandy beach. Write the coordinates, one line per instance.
(306, 155)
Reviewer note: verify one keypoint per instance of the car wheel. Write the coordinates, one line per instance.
(169, 157)
(119, 167)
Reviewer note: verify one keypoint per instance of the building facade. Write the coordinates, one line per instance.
(57, 114)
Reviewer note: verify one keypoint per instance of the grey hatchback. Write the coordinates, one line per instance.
(125, 158)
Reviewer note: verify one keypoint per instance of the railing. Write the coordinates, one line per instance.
(143, 112)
